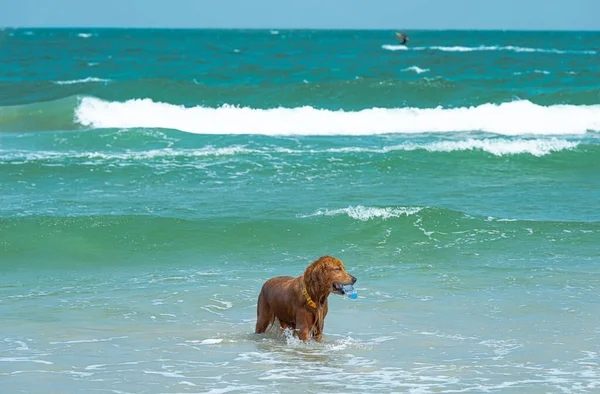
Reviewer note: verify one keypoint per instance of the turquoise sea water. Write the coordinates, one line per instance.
(152, 180)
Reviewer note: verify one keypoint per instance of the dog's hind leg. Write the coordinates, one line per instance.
(264, 315)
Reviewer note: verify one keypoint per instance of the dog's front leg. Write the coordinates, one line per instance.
(303, 333)
(318, 335)
(303, 325)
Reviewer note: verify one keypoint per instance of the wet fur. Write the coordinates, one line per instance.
(281, 298)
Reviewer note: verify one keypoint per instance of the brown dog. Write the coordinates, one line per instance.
(301, 303)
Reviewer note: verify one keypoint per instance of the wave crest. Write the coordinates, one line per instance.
(416, 69)
(363, 213)
(499, 147)
(513, 118)
(83, 80)
(509, 48)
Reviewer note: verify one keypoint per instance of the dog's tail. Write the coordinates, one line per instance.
(264, 314)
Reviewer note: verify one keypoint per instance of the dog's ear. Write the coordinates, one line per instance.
(316, 273)
(310, 272)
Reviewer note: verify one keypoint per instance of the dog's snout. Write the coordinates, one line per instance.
(353, 279)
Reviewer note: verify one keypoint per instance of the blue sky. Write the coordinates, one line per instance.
(352, 14)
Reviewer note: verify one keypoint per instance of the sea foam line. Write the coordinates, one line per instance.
(84, 80)
(510, 48)
(497, 147)
(87, 340)
(24, 359)
(363, 213)
(513, 118)
(27, 155)
(416, 69)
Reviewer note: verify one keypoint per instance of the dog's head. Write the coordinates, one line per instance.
(327, 275)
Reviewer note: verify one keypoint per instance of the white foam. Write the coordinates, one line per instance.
(501, 348)
(95, 367)
(84, 35)
(363, 213)
(510, 48)
(129, 155)
(495, 146)
(166, 374)
(86, 341)
(545, 72)
(84, 80)
(211, 341)
(21, 345)
(498, 147)
(24, 359)
(513, 118)
(416, 69)
(395, 47)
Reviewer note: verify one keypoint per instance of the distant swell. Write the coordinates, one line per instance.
(363, 213)
(488, 48)
(84, 80)
(513, 118)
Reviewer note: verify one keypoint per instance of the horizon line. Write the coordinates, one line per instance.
(295, 28)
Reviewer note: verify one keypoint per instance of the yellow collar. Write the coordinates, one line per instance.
(308, 299)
